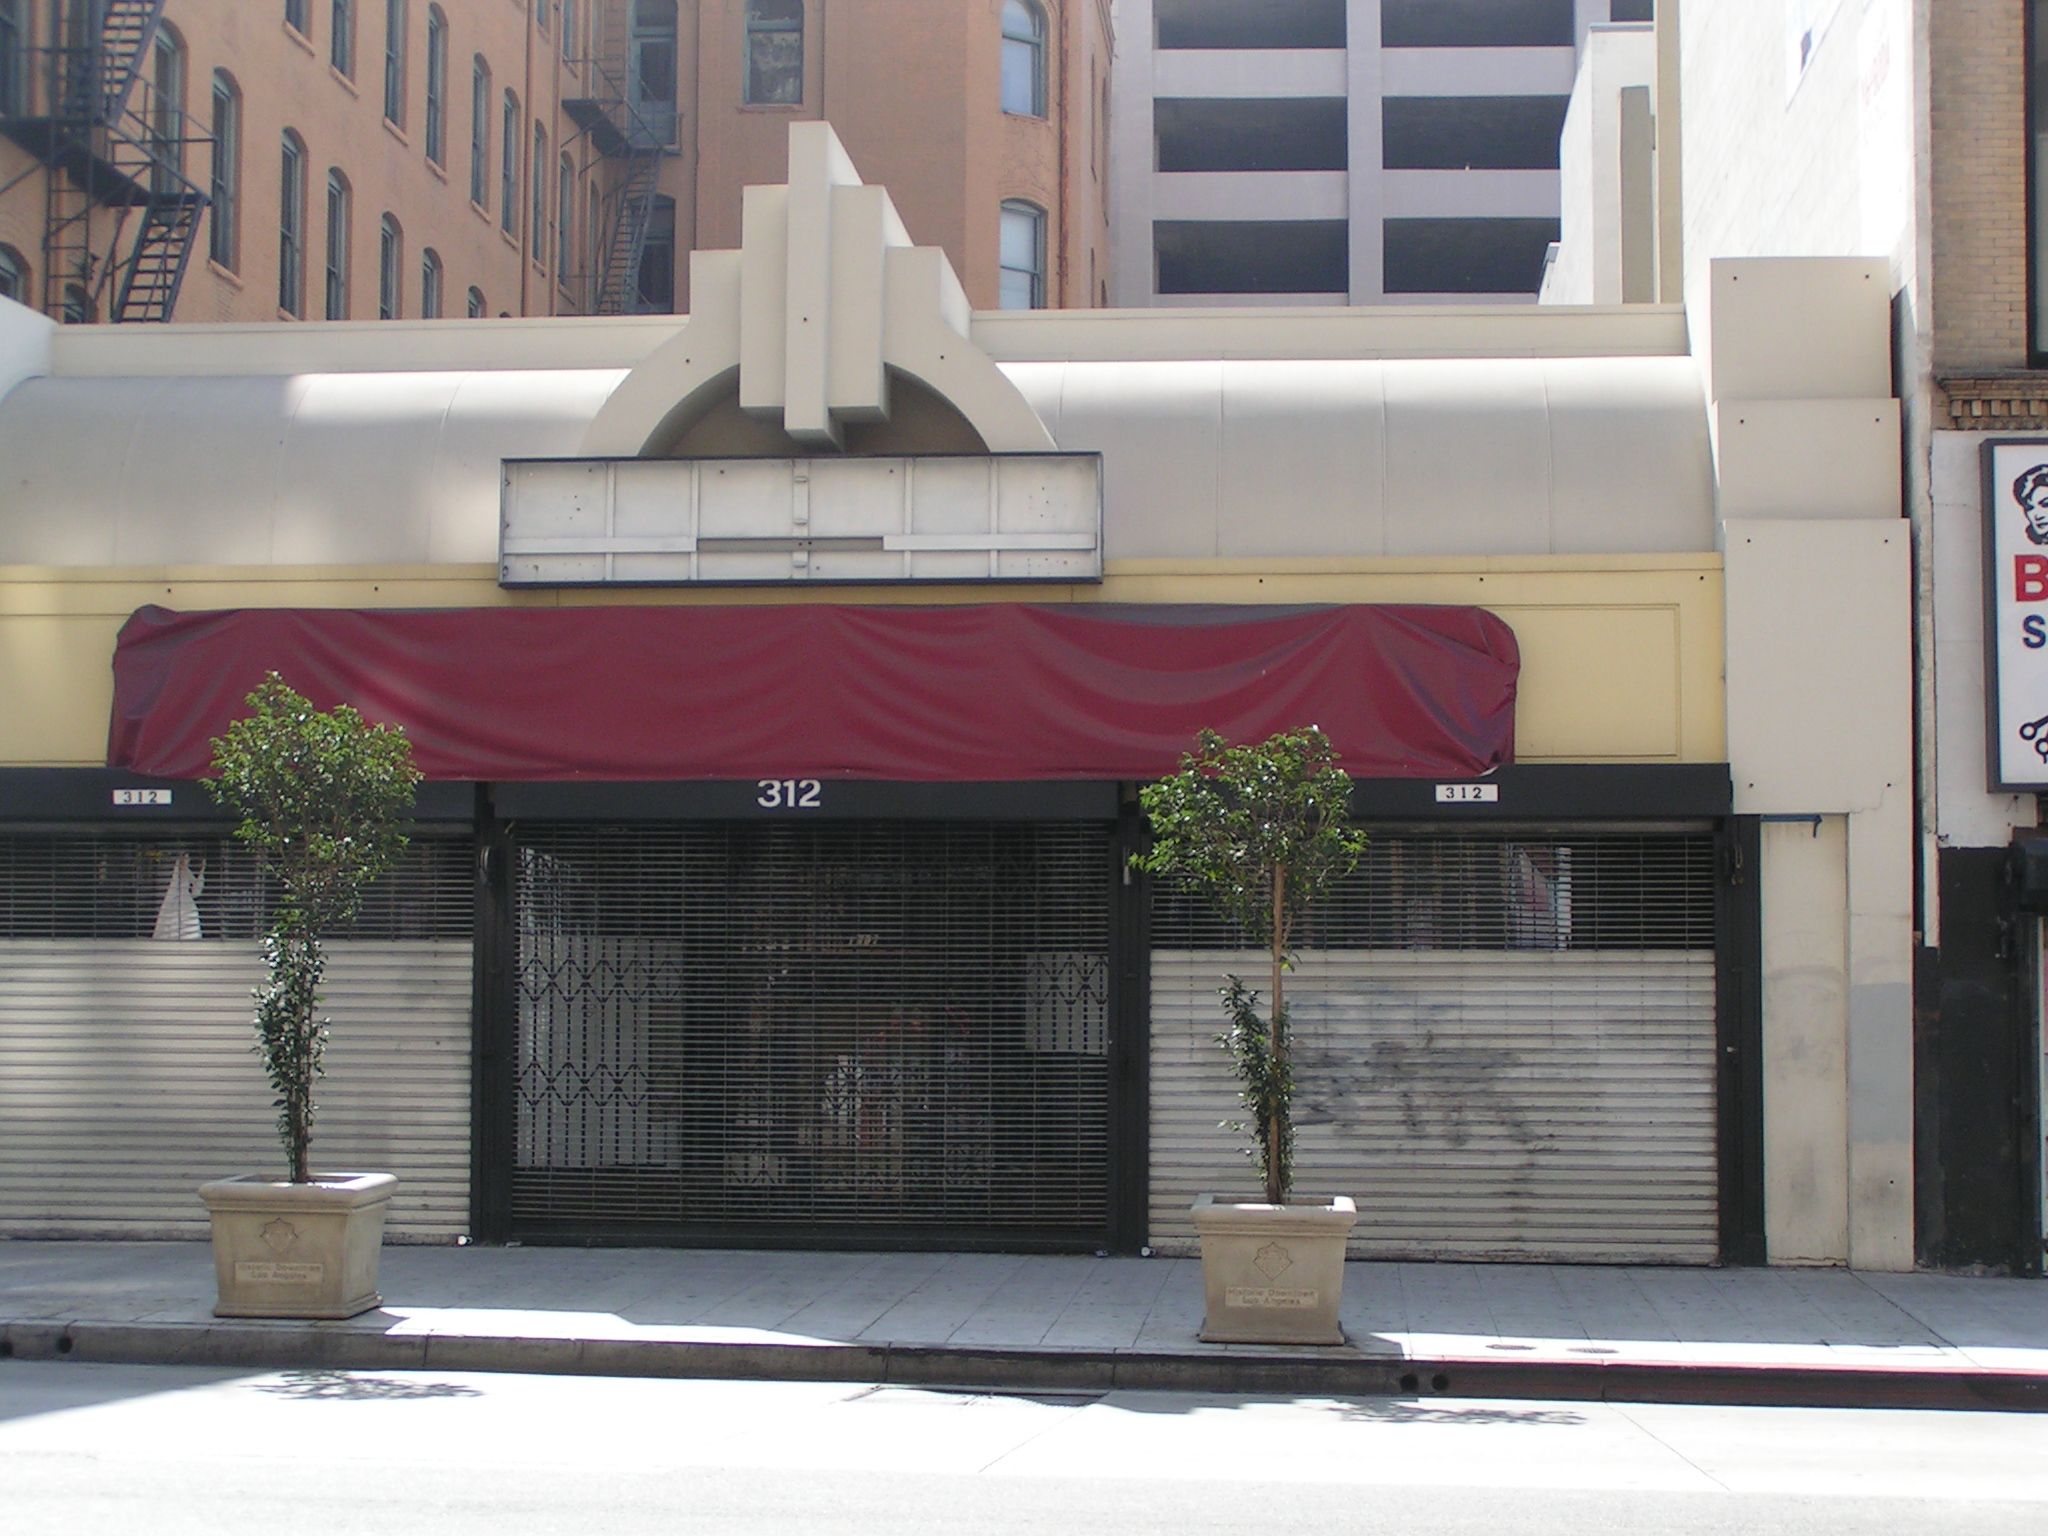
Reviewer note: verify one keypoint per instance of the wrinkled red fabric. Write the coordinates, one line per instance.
(970, 694)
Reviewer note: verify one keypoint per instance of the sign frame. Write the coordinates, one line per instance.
(2003, 609)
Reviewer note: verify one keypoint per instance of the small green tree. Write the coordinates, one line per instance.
(322, 798)
(1261, 831)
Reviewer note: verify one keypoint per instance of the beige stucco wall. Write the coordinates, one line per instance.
(1621, 654)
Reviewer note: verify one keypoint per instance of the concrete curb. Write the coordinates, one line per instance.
(1330, 1373)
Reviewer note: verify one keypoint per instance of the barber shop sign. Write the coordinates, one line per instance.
(2016, 609)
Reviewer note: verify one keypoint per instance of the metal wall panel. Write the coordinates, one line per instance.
(128, 1077)
(1525, 1105)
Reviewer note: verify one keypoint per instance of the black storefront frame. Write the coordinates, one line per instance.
(81, 799)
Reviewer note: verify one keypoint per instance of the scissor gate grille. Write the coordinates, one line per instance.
(793, 1032)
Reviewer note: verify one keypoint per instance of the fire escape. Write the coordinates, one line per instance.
(120, 215)
(629, 113)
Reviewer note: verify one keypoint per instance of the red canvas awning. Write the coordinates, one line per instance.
(989, 693)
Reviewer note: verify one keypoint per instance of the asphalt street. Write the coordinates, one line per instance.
(98, 1448)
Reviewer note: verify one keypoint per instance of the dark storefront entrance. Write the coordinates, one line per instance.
(831, 1031)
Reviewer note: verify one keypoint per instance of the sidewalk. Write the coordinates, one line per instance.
(1815, 1337)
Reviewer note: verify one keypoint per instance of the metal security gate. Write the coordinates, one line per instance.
(1505, 1047)
(856, 1030)
(128, 1074)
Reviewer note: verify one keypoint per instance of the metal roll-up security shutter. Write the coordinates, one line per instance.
(1504, 1048)
(825, 1031)
(128, 1074)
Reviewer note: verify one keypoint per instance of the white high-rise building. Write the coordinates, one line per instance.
(1340, 151)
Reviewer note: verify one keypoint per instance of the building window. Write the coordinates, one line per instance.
(537, 229)
(291, 229)
(565, 210)
(10, 57)
(1470, 255)
(657, 291)
(1289, 133)
(569, 29)
(476, 304)
(652, 72)
(295, 17)
(1023, 59)
(1023, 253)
(480, 133)
(1288, 24)
(1502, 24)
(430, 284)
(540, 13)
(224, 186)
(165, 112)
(1471, 133)
(437, 86)
(390, 275)
(337, 245)
(775, 53)
(13, 275)
(508, 175)
(78, 305)
(394, 62)
(1252, 256)
(341, 48)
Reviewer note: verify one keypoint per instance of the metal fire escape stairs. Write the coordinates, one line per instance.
(634, 144)
(87, 108)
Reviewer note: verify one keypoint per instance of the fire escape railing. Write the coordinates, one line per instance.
(121, 213)
(634, 141)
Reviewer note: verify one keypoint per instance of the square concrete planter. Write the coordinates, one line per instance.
(298, 1250)
(1273, 1274)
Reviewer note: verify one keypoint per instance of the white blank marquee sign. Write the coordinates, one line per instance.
(2016, 605)
(665, 522)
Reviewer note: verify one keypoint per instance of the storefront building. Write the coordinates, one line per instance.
(785, 678)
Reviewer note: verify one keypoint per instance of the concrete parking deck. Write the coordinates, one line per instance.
(1701, 1335)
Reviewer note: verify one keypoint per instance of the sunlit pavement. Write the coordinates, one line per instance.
(88, 1448)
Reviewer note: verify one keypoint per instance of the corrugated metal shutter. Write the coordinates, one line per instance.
(1532, 1077)
(744, 1030)
(128, 1074)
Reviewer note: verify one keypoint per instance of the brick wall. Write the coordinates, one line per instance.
(1978, 123)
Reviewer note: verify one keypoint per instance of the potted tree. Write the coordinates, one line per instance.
(1261, 831)
(321, 797)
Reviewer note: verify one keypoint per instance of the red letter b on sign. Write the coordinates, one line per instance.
(2030, 578)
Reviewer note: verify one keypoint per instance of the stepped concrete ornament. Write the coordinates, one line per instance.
(824, 299)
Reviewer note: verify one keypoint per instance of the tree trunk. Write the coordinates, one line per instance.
(1276, 1120)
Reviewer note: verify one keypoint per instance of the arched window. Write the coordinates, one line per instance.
(224, 184)
(775, 52)
(1023, 59)
(651, 72)
(508, 178)
(337, 245)
(437, 85)
(394, 62)
(480, 132)
(390, 274)
(537, 228)
(13, 275)
(1023, 256)
(291, 228)
(565, 214)
(477, 307)
(341, 49)
(431, 277)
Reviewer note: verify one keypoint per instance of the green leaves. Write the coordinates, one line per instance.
(1234, 815)
(1261, 831)
(322, 798)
